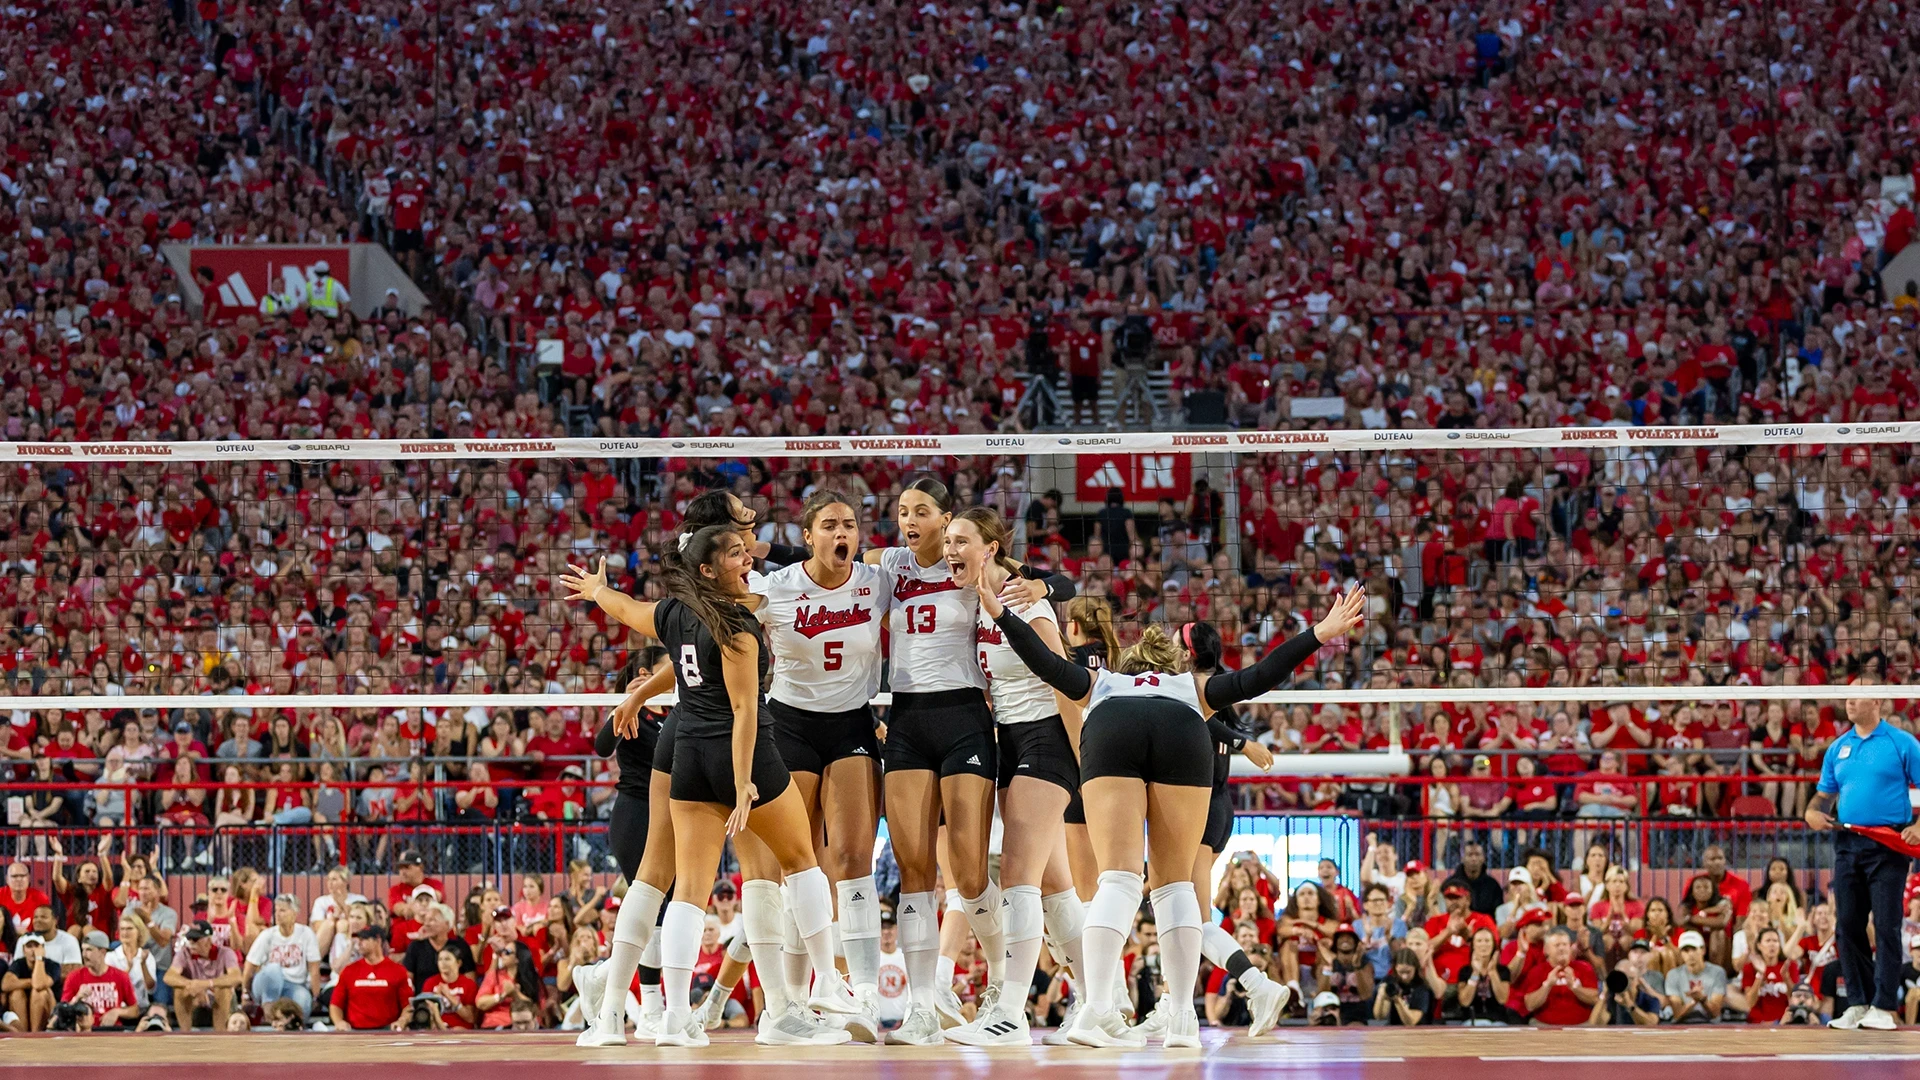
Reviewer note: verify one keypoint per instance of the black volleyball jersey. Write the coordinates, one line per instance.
(705, 709)
(1091, 655)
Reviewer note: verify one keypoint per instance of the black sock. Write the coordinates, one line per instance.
(649, 976)
(1238, 965)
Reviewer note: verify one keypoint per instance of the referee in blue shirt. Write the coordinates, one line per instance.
(1863, 781)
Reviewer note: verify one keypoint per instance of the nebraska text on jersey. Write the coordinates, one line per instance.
(812, 622)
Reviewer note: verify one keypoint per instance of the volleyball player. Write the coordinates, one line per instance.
(1039, 778)
(1145, 756)
(939, 753)
(823, 619)
(636, 945)
(727, 776)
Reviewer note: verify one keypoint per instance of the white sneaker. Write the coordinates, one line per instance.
(947, 1004)
(680, 1030)
(1879, 1020)
(864, 1025)
(921, 1028)
(796, 1026)
(832, 995)
(592, 1035)
(994, 1027)
(1181, 1027)
(1155, 1023)
(648, 1025)
(1104, 1029)
(591, 981)
(1058, 1036)
(1849, 1020)
(1266, 1002)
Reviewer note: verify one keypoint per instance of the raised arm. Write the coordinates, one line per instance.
(624, 721)
(1232, 687)
(593, 588)
(1070, 679)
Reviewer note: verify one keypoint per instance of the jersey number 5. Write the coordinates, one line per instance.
(831, 650)
(689, 666)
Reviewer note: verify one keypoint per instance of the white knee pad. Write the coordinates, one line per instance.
(633, 924)
(1065, 917)
(1026, 919)
(791, 940)
(956, 902)
(680, 934)
(919, 923)
(1116, 901)
(812, 901)
(650, 956)
(1174, 905)
(738, 950)
(760, 908)
(859, 909)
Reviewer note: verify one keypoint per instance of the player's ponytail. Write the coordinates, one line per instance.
(1095, 617)
(1155, 651)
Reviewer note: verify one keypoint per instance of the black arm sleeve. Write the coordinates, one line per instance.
(1060, 587)
(1055, 670)
(1273, 669)
(604, 740)
(784, 555)
(1224, 732)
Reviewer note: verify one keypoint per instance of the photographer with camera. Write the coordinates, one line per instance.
(455, 990)
(1803, 1008)
(104, 991)
(1403, 998)
(1041, 401)
(1628, 1001)
(1132, 355)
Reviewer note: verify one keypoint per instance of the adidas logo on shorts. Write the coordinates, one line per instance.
(974, 760)
(860, 750)
(862, 896)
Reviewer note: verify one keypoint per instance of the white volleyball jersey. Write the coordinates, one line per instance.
(1019, 696)
(930, 627)
(825, 642)
(1109, 684)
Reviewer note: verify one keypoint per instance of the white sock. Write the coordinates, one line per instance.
(812, 900)
(1109, 921)
(632, 932)
(1220, 948)
(1176, 912)
(860, 931)
(679, 952)
(983, 916)
(794, 962)
(943, 971)
(760, 925)
(652, 1001)
(1066, 919)
(920, 944)
(1025, 930)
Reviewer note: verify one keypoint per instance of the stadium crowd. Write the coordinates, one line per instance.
(804, 218)
(103, 946)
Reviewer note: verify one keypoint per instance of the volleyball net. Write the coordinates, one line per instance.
(1702, 592)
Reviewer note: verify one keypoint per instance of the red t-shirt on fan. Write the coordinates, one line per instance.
(103, 993)
(1561, 1006)
(373, 995)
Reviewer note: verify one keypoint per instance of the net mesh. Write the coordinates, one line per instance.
(1714, 580)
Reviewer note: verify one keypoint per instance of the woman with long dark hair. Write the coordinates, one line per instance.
(727, 777)
(941, 751)
(1146, 768)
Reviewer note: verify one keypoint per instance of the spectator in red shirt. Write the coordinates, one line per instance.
(1347, 905)
(457, 988)
(1562, 991)
(373, 991)
(552, 741)
(107, 991)
(413, 874)
(1452, 932)
(1766, 980)
(87, 899)
(1713, 862)
(20, 897)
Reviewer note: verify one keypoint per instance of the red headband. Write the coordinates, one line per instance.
(1186, 636)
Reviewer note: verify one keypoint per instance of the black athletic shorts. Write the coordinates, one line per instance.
(703, 769)
(948, 732)
(1084, 388)
(1040, 749)
(669, 734)
(1161, 742)
(1219, 820)
(810, 741)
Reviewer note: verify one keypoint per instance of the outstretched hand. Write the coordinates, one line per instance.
(581, 585)
(1347, 613)
(989, 601)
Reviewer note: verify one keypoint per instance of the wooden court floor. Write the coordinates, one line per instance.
(1398, 1054)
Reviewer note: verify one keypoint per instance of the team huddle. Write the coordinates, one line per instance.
(1099, 761)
